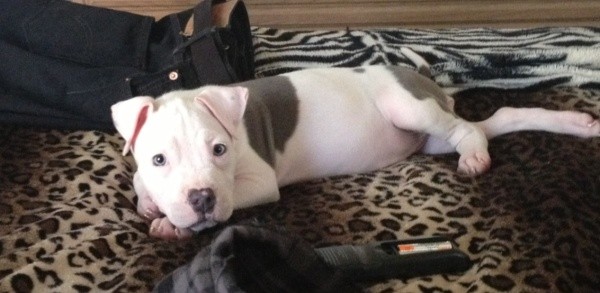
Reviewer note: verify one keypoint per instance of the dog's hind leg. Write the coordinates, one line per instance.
(431, 116)
(507, 120)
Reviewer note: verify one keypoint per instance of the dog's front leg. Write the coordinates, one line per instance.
(252, 190)
(255, 184)
(163, 228)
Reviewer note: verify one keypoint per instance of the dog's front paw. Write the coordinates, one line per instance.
(474, 164)
(163, 229)
(147, 209)
(150, 213)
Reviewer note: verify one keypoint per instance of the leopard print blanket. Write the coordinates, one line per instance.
(531, 224)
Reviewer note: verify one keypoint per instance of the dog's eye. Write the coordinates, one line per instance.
(219, 149)
(159, 160)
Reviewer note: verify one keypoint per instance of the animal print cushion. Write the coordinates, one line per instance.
(68, 220)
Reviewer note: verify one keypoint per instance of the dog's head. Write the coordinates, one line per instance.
(184, 144)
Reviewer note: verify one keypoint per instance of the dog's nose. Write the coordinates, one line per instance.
(202, 200)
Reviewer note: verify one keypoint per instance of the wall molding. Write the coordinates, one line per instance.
(391, 13)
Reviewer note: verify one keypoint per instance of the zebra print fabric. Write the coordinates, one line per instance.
(460, 58)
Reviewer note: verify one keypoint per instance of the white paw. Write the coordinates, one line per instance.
(163, 229)
(580, 124)
(152, 214)
(147, 208)
(474, 164)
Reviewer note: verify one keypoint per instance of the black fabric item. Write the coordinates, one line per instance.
(65, 64)
(205, 45)
(254, 258)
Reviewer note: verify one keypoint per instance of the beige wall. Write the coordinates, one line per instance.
(384, 13)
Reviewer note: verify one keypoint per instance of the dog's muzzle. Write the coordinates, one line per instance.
(203, 202)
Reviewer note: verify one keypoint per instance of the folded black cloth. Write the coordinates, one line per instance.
(254, 258)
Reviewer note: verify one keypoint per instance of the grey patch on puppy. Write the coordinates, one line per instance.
(271, 115)
(420, 86)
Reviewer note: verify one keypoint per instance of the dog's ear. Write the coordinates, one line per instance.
(227, 104)
(129, 116)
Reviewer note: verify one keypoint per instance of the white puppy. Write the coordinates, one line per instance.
(205, 152)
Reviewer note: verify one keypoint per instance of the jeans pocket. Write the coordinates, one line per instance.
(89, 35)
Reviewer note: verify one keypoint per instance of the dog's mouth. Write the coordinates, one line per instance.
(184, 217)
(201, 210)
(193, 220)
(203, 224)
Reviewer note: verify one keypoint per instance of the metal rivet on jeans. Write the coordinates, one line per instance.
(173, 75)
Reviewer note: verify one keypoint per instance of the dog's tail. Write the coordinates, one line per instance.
(418, 61)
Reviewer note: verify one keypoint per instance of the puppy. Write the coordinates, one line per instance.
(205, 152)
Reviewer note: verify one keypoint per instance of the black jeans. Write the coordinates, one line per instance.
(64, 64)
